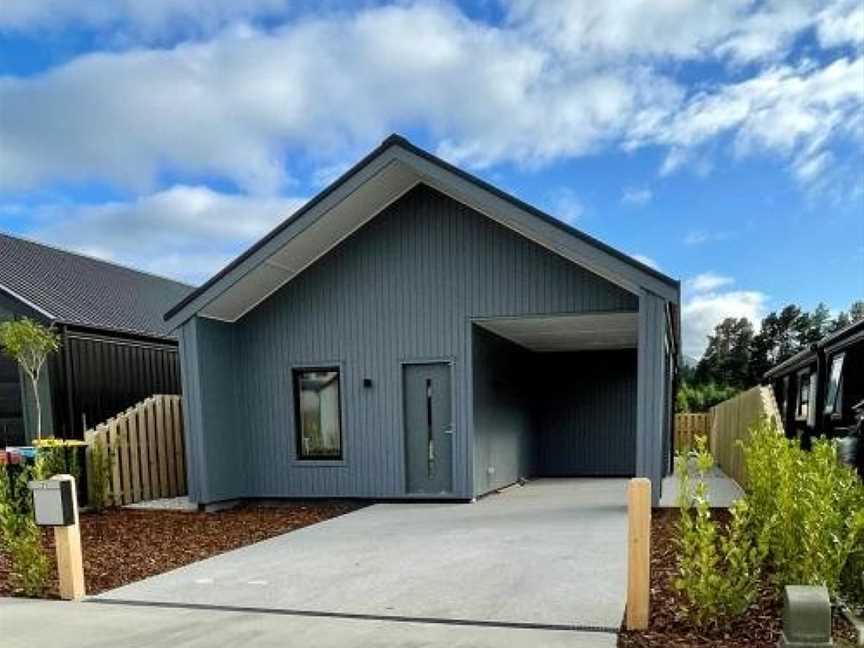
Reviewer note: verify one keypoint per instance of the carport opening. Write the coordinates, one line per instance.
(554, 397)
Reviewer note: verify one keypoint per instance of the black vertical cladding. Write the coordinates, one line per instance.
(97, 376)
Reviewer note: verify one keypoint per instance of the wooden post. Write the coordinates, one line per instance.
(638, 553)
(70, 564)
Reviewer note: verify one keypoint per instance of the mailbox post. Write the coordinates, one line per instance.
(55, 504)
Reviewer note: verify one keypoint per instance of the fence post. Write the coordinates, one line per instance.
(638, 553)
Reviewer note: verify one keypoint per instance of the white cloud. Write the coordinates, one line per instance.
(636, 196)
(145, 20)
(793, 111)
(698, 237)
(648, 261)
(566, 81)
(701, 312)
(737, 30)
(567, 206)
(185, 232)
(707, 282)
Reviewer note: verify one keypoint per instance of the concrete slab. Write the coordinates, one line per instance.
(28, 623)
(181, 503)
(722, 489)
(552, 552)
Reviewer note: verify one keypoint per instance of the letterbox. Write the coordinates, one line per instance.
(53, 502)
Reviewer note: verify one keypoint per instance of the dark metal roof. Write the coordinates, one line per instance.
(398, 140)
(849, 334)
(75, 289)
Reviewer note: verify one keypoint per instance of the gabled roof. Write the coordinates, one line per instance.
(848, 335)
(63, 287)
(379, 179)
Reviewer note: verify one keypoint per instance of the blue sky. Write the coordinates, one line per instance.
(721, 142)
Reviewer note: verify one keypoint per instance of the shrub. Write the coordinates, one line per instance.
(19, 535)
(99, 477)
(808, 504)
(718, 570)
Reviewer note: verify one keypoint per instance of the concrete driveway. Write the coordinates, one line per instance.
(550, 555)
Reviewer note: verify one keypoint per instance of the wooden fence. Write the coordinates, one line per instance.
(730, 423)
(145, 447)
(690, 425)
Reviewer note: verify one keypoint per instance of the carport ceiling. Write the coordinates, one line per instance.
(590, 332)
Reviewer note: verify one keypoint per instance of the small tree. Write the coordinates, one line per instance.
(29, 343)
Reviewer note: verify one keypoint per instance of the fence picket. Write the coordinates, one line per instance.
(113, 443)
(733, 419)
(169, 446)
(177, 413)
(689, 425)
(145, 449)
(134, 456)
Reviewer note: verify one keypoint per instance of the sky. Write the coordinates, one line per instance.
(721, 142)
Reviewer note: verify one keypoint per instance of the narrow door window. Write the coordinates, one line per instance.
(317, 413)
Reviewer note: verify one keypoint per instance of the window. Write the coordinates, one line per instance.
(803, 395)
(835, 385)
(317, 413)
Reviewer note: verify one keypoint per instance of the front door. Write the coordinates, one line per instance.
(428, 428)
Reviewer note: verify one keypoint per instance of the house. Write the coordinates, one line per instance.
(115, 346)
(414, 332)
(817, 387)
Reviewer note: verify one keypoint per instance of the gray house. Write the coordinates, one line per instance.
(413, 332)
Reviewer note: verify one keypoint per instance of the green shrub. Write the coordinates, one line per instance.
(99, 477)
(19, 535)
(808, 504)
(718, 569)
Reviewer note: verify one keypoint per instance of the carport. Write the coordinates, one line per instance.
(554, 396)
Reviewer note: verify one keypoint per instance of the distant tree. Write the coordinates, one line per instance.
(727, 359)
(29, 344)
(856, 311)
(841, 321)
(812, 327)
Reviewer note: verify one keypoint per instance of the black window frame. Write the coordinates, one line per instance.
(300, 455)
(803, 379)
(835, 407)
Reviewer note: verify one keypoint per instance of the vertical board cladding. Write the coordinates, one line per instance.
(94, 377)
(221, 448)
(404, 287)
(505, 440)
(651, 391)
(586, 413)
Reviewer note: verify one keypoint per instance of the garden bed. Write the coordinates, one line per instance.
(122, 546)
(760, 627)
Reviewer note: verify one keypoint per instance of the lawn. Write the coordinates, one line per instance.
(122, 545)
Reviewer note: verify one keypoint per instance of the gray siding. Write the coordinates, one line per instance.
(586, 413)
(653, 356)
(504, 434)
(404, 287)
(216, 454)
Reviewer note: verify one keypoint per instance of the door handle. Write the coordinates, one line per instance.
(448, 430)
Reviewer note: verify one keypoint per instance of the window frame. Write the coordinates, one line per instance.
(803, 379)
(836, 407)
(299, 455)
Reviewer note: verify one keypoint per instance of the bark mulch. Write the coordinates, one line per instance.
(122, 546)
(760, 627)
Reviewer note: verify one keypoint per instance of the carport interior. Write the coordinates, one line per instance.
(554, 397)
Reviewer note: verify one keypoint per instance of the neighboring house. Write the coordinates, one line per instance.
(115, 347)
(816, 388)
(413, 332)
